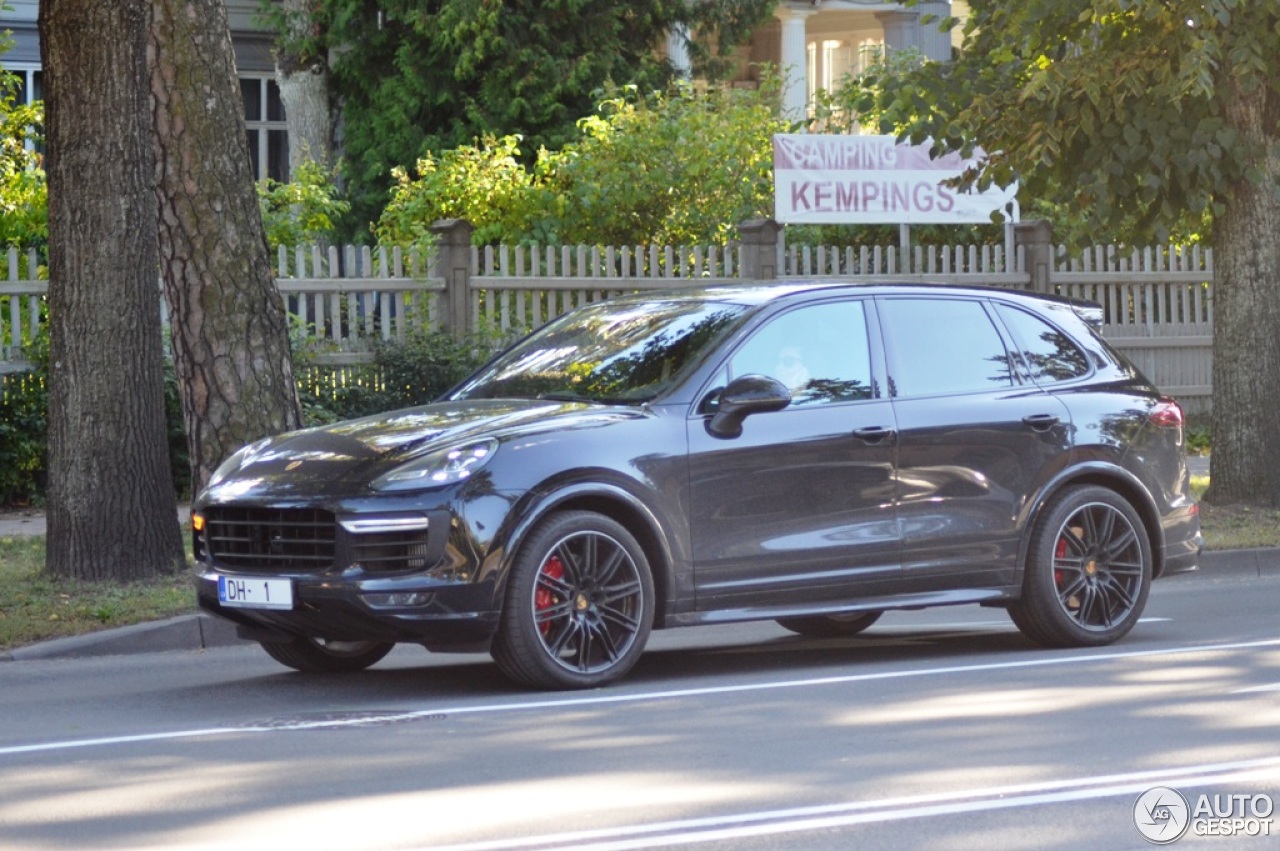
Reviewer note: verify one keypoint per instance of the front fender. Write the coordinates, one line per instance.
(606, 496)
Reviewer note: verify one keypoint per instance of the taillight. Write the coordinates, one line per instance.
(1167, 414)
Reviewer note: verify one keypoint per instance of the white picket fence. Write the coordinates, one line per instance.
(1158, 308)
(1157, 301)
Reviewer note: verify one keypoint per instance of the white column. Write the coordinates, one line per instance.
(794, 64)
(935, 43)
(678, 50)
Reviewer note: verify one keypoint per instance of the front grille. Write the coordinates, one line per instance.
(270, 539)
(391, 552)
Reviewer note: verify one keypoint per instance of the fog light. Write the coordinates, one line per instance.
(398, 599)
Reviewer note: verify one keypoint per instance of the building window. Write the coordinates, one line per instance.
(266, 128)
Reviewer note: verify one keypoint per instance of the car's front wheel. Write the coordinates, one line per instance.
(316, 655)
(831, 626)
(579, 604)
(1088, 571)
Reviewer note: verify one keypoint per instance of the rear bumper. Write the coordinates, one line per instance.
(1183, 542)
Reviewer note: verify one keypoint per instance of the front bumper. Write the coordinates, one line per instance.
(387, 574)
(441, 616)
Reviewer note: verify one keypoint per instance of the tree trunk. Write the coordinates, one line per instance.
(1246, 308)
(230, 334)
(112, 512)
(303, 77)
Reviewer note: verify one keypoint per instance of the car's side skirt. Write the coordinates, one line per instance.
(983, 596)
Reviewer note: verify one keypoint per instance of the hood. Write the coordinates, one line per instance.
(358, 451)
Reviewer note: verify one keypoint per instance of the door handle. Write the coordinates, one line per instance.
(874, 434)
(1041, 422)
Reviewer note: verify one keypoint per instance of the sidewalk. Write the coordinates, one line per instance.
(31, 521)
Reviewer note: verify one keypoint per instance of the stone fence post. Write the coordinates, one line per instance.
(453, 264)
(759, 239)
(1036, 239)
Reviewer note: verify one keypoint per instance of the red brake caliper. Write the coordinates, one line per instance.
(1060, 551)
(543, 599)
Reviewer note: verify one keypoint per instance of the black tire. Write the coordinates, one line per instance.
(579, 604)
(831, 626)
(317, 656)
(1088, 571)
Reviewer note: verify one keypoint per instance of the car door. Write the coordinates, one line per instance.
(974, 440)
(798, 508)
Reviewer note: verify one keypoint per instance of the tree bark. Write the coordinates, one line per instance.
(1246, 307)
(112, 512)
(303, 78)
(230, 333)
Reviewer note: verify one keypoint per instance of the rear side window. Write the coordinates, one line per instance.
(942, 345)
(1048, 353)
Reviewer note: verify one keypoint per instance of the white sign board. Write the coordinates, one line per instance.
(825, 179)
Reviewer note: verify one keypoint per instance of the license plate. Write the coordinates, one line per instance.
(255, 592)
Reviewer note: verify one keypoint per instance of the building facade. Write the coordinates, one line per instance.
(264, 115)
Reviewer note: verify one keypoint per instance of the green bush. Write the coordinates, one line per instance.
(403, 374)
(680, 168)
(302, 211)
(24, 216)
(23, 402)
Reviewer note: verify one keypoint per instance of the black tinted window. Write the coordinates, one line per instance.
(612, 351)
(819, 352)
(943, 346)
(1048, 353)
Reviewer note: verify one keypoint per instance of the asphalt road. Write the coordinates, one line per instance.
(937, 730)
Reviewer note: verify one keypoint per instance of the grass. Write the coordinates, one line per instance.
(1235, 527)
(35, 607)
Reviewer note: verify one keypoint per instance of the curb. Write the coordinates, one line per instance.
(201, 631)
(184, 632)
(1234, 565)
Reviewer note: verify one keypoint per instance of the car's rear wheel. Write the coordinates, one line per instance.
(579, 604)
(316, 655)
(831, 626)
(1088, 571)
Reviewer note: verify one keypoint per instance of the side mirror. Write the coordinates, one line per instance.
(750, 394)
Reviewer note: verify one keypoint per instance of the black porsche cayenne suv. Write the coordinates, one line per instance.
(814, 454)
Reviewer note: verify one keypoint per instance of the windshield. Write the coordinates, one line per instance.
(615, 352)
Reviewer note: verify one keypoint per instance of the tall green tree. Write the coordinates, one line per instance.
(1142, 113)
(111, 508)
(415, 77)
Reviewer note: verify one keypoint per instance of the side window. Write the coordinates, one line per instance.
(820, 352)
(941, 345)
(1048, 353)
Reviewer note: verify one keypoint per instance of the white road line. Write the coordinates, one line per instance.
(774, 822)
(1256, 689)
(604, 699)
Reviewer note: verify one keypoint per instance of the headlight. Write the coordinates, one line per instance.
(240, 458)
(442, 467)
